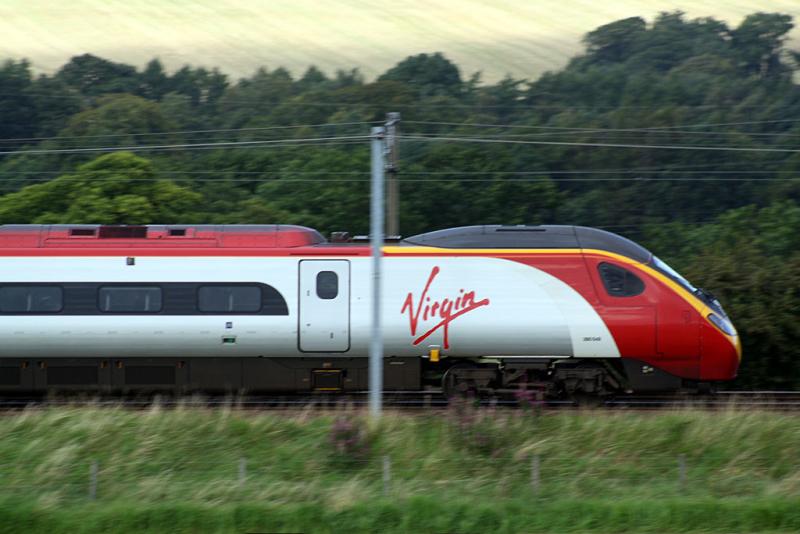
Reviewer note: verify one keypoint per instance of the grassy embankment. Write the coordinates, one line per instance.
(179, 471)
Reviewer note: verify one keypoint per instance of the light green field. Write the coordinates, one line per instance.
(520, 37)
(463, 471)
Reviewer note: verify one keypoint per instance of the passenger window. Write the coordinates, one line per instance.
(620, 282)
(130, 299)
(327, 285)
(31, 299)
(225, 299)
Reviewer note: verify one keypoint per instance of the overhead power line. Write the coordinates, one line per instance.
(361, 138)
(565, 129)
(632, 170)
(279, 180)
(545, 131)
(438, 105)
(190, 146)
(619, 133)
(182, 132)
(588, 144)
(690, 125)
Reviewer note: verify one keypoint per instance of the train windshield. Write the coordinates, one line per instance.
(672, 273)
(700, 293)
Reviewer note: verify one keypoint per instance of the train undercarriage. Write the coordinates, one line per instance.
(521, 378)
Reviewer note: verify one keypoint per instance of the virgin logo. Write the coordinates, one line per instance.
(443, 311)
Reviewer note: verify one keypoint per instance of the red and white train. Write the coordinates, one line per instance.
(568, 309)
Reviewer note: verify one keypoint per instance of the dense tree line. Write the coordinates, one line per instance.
(728, 218)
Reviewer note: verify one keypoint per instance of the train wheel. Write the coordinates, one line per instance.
(454, 386)
(586, 400)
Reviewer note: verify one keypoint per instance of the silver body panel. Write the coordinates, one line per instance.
(466, 306)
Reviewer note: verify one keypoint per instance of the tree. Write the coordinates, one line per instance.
(313, 78)
(325, 188)
(255, 97)
(758, 42)
(55, 103)
(94, 76)
(118, 120)
(428, 74)
(153, 82)
(19, 116)
(615, 41)
(200, 85)
(118, 188)
(672, 40)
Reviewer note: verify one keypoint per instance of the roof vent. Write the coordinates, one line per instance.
(81, 232)
(340, 237)
(521, 228)
(123, 232)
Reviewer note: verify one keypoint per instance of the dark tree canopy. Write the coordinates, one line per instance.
(430, 74)
(615, 41)
(758, 42)
(93, 76)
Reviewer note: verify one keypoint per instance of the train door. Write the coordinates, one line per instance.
(626, 306)
(324, 316)
(678, 330)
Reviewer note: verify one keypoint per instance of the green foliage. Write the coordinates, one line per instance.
(759, 39)
(615, 41)
(93, 76)
(18, 113)
(117, 120)
(427, 74)
(154, 82)
(117, 188)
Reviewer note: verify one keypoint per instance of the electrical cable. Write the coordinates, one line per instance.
(406, 137)
(190, 146)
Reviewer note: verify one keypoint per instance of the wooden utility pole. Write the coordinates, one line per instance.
(392, 187)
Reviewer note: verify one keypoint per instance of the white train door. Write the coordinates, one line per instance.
(324, 318)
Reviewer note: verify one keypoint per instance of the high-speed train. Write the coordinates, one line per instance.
(277, 308)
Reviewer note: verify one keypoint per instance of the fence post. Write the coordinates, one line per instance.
(93, 481)
(242, 469)
(535, 475)
(682, 471)
(387, 475)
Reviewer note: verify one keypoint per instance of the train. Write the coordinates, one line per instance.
(565, 311)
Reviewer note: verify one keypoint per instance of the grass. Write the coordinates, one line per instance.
(178, 470)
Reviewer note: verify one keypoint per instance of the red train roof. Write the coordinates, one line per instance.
(160, 236)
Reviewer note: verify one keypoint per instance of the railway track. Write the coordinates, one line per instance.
(419, 402)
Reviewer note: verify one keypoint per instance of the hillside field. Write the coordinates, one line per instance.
(497, 37)
(194, 470)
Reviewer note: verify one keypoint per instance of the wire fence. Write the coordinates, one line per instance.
(531, 475)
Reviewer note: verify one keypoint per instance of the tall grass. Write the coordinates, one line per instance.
(465, 470)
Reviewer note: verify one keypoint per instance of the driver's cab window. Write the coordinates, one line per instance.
(620, 282)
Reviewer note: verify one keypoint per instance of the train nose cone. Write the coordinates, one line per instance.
(721, 354)
(734, 357)
(738, 348)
